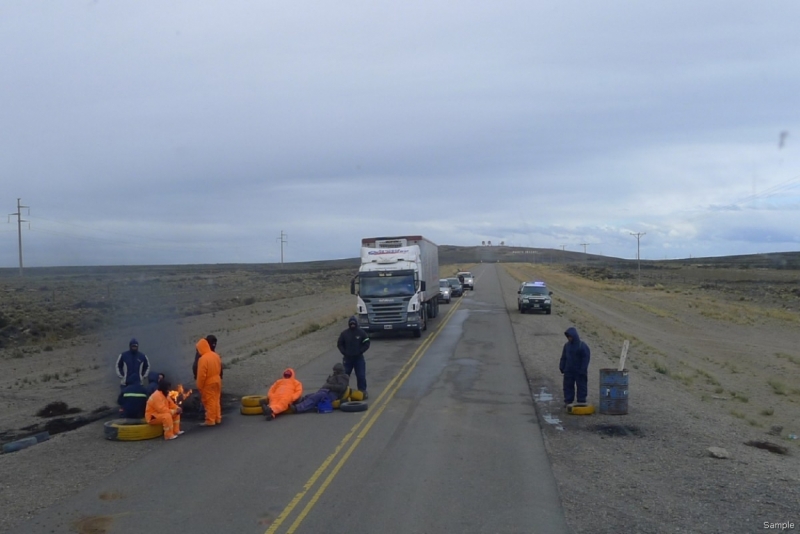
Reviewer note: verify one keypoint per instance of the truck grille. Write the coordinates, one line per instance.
(386, 313)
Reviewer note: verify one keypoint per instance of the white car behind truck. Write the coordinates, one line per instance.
(397, 284)
(467, 280)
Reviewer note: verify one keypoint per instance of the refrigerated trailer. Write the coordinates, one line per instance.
(397, 285)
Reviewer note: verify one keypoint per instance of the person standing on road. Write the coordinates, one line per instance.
(335, 388)
(353, 343)
(574, 365)
(209, 382)
(281, 395)
(212, 342)
(132, 365)
(162, 410)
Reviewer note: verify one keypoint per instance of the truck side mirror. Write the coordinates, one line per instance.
(422, 285)
(551, 293)
(353, 286)
(518, 291)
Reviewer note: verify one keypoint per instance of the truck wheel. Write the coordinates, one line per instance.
(417, 332)
(548, 312)
(425, 318)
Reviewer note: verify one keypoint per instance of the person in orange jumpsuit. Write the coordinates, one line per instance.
(161, 410)
(209, 382)
(281, 395)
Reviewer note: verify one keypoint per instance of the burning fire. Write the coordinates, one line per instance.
(179, 395)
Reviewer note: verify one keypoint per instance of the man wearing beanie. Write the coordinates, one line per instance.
(334, 389)
(132, 365)
(353, 343)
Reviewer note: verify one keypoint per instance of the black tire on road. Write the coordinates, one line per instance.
(354, 406)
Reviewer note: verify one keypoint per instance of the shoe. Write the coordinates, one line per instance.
(172, 437)
(181, 432)
(207, 424)
(219, 422)
(365, 395)
(268, 414)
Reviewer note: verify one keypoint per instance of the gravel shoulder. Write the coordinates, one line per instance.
(702, 374)
(650, 470)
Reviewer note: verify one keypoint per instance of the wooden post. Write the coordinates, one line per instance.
(623, 355)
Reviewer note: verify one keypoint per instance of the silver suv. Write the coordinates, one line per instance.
(534, 296)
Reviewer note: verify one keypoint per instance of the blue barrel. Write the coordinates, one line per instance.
(613, 392)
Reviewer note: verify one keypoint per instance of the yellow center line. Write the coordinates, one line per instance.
(380, 405)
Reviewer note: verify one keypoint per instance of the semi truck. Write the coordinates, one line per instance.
(397, 284)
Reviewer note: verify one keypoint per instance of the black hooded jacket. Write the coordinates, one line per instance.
(575, 355)
(353, 342)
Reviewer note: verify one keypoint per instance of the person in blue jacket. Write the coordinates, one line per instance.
(132, 365)
(153, 379)
(574, 365)
(132, 401)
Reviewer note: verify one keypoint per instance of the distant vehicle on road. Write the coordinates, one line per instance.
(457, 290)
(444, 290)
(534, 296)
(467, 280)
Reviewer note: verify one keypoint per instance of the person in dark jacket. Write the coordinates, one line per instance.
(132, 401)
(353, 343)
(574, 365)
(335, 388)
(212, 342)
(132, 365)
(153, 379)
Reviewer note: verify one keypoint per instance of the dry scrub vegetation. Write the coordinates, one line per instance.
(728, 339)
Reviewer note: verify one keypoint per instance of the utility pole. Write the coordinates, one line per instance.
(585, 256)
(638, 236)
(283, 239)
(20, 220)
(563, 247)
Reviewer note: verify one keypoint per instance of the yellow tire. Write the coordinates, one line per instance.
(131, 430)
(251, 401)
(580, 409)
(251, 410)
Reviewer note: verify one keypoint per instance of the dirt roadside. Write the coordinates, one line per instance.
(696, 381)
(648, 471)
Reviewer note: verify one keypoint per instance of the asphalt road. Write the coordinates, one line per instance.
(450, 444)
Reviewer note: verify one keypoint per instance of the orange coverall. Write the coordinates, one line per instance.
(161, 410)
(209, 382)
(284, 392)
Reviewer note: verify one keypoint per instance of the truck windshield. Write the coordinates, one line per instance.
(387, 286)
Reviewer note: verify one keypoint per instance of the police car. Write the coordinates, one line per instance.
(534, 296)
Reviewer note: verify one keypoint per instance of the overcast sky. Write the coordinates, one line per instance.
(144, 132)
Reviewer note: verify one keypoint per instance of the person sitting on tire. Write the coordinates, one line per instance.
(153, 379)
(281, 395)
(132, 402)
(353, 343)
(335, 388)
(162, 410)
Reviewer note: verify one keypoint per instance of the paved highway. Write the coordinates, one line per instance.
(450, 444)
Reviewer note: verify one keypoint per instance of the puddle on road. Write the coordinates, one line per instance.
(543, 400)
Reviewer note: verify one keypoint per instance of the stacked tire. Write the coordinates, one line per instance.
(251, 405)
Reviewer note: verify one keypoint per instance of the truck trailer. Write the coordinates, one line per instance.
(397, 284)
